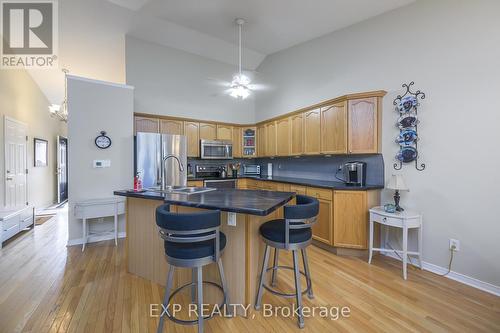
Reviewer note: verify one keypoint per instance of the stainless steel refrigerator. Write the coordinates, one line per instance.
(150, 153)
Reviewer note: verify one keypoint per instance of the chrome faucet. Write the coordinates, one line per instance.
(181, 169)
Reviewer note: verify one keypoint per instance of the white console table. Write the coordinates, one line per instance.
(99, 208)
(404, 220)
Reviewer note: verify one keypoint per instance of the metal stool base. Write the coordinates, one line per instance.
(195, 321)
(284, 294)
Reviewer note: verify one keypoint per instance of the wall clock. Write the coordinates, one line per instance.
(103, 141)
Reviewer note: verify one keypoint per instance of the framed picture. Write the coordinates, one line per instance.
(41, 152)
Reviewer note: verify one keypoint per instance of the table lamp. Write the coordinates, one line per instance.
(398, 184)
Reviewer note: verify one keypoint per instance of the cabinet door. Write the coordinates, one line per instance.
(224, 132)
(363, 126)
(261, 141)
(237, 142)
(312, 132)
(297, 134)
(168, 126)
(334, 129)
(191, 131)
(322, 230)
(271, 138)
(283, 137)
(145, 124)
(208, 131)
(350, 219)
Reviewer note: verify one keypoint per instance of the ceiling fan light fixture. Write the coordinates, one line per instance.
(239, 85)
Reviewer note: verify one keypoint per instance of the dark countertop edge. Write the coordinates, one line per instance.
(304, 182)
(250, 211)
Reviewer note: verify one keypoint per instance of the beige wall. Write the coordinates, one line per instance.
(451, 49)
(21, 99)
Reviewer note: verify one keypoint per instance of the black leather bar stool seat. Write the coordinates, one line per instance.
(291, 233)
(191, 240)
(193, 250)
(275, 231)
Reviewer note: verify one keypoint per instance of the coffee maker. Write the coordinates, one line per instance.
(355, 173)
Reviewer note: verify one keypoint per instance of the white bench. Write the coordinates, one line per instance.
(14, 220)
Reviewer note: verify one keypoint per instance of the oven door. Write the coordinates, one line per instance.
(216, 150)
(220, 183)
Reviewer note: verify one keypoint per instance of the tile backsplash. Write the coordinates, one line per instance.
(309, 167)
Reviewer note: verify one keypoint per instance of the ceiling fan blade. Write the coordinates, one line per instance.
(218, 82)
(259, 87)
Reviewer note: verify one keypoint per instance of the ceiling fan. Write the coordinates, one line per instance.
(240, 87)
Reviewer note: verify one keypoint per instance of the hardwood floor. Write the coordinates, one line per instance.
(47, 287)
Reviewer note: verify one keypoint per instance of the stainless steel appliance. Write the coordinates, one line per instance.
(216, 149)
(220, 183)
(161, 160)
(355, 173)
(251, 170)
(208, 171)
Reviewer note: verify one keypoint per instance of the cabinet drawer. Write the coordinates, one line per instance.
(299, 189)
(9, 223)
(9, 232)
(26, 222)
(320, 193)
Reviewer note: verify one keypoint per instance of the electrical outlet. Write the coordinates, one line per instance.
(455, 243)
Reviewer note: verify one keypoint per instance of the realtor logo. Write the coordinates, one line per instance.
(29, 31)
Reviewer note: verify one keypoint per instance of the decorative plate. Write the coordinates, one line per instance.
(407, 121)
(407, 154)
(407, 137)
(407, 103)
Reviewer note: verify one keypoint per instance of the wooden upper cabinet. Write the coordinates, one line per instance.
(208, 131)
(334, 129)
(237, 142)
(296, 134)
(168, 126)
(363, 130)
(145, 124)
(191, 131)
(261, 141)
(272, 140)
(350, 219)
(312, 132)
(283, 132)
(224, 132)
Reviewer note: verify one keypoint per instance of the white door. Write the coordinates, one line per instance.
(15, 163)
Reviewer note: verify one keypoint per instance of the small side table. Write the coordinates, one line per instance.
(97, 208)
(405, 220)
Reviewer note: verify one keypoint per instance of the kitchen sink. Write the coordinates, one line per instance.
(182, 189)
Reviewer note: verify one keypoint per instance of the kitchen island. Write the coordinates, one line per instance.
(246, 210)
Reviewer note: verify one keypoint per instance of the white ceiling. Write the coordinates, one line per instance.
(91, 32)
(273, 25)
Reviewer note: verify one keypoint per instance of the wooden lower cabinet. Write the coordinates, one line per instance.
(322, 230)
(197, 183)
(350, 227)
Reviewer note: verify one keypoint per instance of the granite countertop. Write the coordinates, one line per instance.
(335, 185)
(252, 202)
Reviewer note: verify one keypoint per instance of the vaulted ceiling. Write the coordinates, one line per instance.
(92, 31)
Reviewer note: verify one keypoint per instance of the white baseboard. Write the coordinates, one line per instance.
(470, 281)
(94, 238)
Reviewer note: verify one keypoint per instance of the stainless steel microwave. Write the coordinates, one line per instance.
(251, 170)
(216, 149)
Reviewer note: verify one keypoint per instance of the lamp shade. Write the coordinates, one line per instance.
(397, 183)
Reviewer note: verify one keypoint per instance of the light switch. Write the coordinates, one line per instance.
(101, 163)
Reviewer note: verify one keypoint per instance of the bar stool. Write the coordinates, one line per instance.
(291, 233)
(191, 240)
